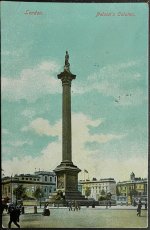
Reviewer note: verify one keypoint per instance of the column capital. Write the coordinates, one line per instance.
(66, 77)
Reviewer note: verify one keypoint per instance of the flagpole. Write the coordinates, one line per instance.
(11, 190)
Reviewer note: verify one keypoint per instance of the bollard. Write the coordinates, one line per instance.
(22, 210)
(35, 209)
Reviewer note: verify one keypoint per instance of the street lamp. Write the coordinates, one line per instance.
(11, 189)
(40, 200)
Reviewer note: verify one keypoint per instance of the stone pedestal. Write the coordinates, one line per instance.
(67, 181)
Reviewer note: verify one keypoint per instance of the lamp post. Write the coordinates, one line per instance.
(40, 200)
(11, 190)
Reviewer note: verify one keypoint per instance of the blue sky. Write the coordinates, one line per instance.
(109, 55)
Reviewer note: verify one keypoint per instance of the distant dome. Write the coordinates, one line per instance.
(132, 176)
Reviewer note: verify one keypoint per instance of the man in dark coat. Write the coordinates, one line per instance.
(14, 216)
(139, 208)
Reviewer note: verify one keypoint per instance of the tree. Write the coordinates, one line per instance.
(104, 195)
(108, 196)
(87, 191)
(19, 192)
(117, 191)
(103, 192)
(38, 193)
(132, 193)
(101, 198)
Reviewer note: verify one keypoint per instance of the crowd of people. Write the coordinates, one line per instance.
(15, 210)
(74, 205)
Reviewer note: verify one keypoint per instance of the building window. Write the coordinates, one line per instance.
(45, 178)
(50, 178)
(22, 178)
(37, 179)
(34, 179)
(26, 178)
(30, 178)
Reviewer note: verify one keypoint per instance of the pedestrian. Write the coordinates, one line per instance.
(14, 216)
(46, 211)
(145, 204)
(70, 205)
(75, 205)
(139, 208)
(110, 203)
(79, 206)
(106, 203)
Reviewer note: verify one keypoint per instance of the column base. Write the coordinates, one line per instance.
(67, 177)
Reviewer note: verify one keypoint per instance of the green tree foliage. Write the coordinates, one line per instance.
(108, 196)
(87, 191)
(101, 198)
(117, 191)
(132, 193)
(20, 192)
(38, 193)
(103, 193)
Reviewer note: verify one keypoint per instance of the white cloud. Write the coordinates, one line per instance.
(29, 113)
(19, 143)
(42, 127)
(6, 150)
(5, 131)
(48, 66)
(32, 83)
(118, 169)
(51, 155)
(116, 80)
(12, 53)
(101, 167)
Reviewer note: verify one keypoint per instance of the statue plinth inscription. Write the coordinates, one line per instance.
(60, 182)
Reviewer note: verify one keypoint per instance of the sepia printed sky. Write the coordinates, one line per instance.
(108, 54)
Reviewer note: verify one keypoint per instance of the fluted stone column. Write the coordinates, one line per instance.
(66, 78)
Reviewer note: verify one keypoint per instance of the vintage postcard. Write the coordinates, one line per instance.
(74, 115)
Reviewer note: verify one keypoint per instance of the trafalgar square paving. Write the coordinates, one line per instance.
(98, 217)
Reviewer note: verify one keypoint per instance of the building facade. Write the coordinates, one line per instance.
(45, 180)
(97, 187)
(133, 189)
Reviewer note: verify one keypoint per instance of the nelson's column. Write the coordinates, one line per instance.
(67, 172)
